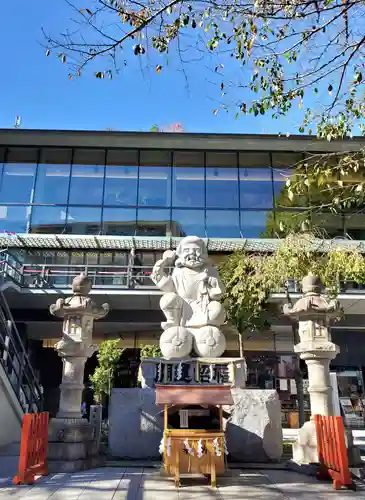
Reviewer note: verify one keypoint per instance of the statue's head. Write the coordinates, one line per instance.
(81, 285)
(191, 253)
(312, 284)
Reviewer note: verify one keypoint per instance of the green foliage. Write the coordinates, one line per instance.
(150, 351)
(103, 377)
(332, 181)
(251, 279)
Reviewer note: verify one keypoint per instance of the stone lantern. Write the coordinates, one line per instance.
(314, 313)
(71, 437)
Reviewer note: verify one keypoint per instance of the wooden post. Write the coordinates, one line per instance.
(165, 416)
(177, 466)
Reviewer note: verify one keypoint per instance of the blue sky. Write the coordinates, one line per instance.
(38, 88)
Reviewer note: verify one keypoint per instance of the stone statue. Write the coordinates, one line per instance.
(78, 313)
(190, 301)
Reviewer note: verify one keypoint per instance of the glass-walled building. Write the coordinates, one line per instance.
(155, 191)
(62, 193)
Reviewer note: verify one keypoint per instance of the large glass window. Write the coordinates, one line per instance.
(254, 224)
(154, 186)
(48, 220)
(121, 177)
(283, 169)
(14, 219)
(188, 179)
(119, 221)
(153, 222)
(221, 181)
(188, 222)
(155, 178)
(87, 177)
(222, 224)
(83, 220)
(18, 175)
(53, 176)
(255, 180)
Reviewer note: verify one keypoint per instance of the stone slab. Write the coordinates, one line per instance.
(139, 484)
(253, 426)
(135, 424)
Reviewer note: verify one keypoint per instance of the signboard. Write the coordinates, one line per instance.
(184, 419)
(193, 372)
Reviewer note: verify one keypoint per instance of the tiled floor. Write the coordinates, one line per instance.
(148, 484)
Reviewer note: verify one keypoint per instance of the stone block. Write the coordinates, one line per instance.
(69, 430)
(63, 466)
(253, 426)
(135, 424)
(72, 451)
(72, 445)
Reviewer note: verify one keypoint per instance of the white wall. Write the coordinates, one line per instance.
(11, 413)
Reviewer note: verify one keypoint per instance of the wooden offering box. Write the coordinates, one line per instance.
(193, 439)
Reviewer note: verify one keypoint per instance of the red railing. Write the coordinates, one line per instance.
(33, 448)
(332, 451)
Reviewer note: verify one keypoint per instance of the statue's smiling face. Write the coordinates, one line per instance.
(191, 256)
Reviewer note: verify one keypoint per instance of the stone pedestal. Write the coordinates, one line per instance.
(252, 425)
(72, 442)
(72, 445)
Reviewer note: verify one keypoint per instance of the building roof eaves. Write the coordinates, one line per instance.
(175, 141)
(86, 242)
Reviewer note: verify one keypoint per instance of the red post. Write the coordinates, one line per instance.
(33, 448)
(332, 451)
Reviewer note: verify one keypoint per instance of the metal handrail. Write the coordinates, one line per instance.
(26, 388)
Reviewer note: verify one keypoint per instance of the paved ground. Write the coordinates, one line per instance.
(147, 484)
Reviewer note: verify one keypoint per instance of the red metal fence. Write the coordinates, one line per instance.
(33, 448)
(332, 451)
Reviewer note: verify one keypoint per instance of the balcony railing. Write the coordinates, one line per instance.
(135, 277)
(61, 276)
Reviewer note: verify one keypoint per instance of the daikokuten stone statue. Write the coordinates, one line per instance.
(190, 301)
